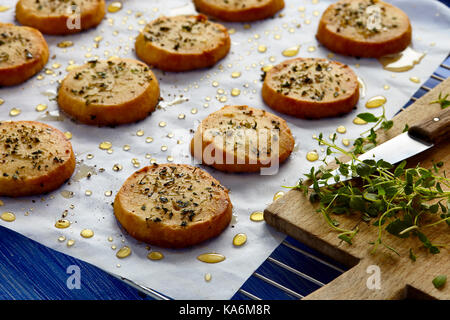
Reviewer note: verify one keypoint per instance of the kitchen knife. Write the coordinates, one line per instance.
(417, 139)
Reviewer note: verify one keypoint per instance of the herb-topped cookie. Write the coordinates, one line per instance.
(23, 53)
(311, 88)
(242, 139)
(60, 16)
(172, 205)
(182, 43)
(34, 158)
(239, 10)
(110, 92)
(364, 28)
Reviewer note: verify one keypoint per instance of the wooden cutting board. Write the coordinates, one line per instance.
(383, 274)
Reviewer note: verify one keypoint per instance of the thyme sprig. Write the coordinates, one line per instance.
(443, 102)
(395, 199)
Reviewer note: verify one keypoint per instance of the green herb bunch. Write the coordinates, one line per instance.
(394, 199)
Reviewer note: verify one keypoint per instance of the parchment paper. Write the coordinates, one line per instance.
(180, 275)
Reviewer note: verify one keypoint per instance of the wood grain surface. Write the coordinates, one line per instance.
(400, 277)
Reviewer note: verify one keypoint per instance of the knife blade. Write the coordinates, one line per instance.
(417, 139)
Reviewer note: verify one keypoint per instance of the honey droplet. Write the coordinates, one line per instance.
(71, 67)
(346, 142)
(257, 216)
(194, 110)
(65, 44)
(215, 84)
(62, 224)
(211, 257)
(170, 158)
(70, 242)
(1, 101)
(14, 112)
(87, 233)
(88, 193)
(235, 74)
(123, 252)
(149, 139)
(403, 61)
(311, 49)
(359, 121)
(414, 79)
(239, 239)
(2, 203)
(117, 167)
(232, 31)
(181, 116)
(126, 147)
(61, 238)
(278, 195)
(140, 133)
(312, 156)
(208, 277)
(155, 255)
(8, 216)
(235, 92)
(267, 67)
(162, 124)
(68, 135)
(67, 194)
(105, 145)
(341, 129)
(362, 87)
(375, 102)
(386, 87)
(41, 107)
(114, 6)
(4, 8)
(291, 52)
(108, 193)
(262, 48)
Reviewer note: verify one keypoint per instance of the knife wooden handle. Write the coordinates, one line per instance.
(433, 130)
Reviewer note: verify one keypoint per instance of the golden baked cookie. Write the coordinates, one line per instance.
(172, 205)
(182, 43)
(34, 158)
(311, 88)
(109, 92)
(60, 17)
(242, 139)
(23, 53)
(239, 10)
(364, 28)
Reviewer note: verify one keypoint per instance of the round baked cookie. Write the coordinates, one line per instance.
(109, 92)
(364, 28)
(311, 88)
(172, 205)
(60, 17)
(182, 43)
(23, 53)
(238, 10)
(242, 139)
(34, 158)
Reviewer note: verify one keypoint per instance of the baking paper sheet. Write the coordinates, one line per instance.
(195, 94)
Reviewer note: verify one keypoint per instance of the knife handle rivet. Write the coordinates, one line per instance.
(436, 119)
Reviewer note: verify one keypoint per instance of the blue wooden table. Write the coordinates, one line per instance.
(31, 271)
